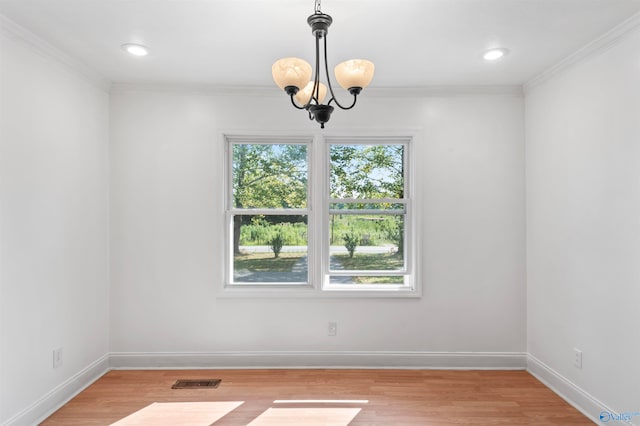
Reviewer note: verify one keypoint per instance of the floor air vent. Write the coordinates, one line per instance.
(196, 384)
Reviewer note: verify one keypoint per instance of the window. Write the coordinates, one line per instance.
(367, 211)
(268, 213)
(319, 215)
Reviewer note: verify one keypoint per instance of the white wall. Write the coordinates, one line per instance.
(582, 214)
(167, 232)
(54, 281)
(583, 223)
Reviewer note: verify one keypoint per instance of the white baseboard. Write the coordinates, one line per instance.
(60, 395)
(567, 390)
(400, 360)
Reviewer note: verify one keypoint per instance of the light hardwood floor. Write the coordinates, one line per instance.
(319, 397)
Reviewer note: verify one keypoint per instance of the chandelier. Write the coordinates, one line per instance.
(293, 75)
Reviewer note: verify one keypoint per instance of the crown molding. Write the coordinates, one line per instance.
(445, 90)
(597, 46)
(15, 31)
(195, 88)
(373, 92)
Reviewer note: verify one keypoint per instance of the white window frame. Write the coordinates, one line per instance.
(408, 271)
(317, 212)
(231, 210)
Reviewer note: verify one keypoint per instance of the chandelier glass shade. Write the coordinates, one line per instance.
(303, 96)
(294, 75)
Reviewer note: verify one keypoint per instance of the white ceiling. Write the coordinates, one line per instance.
(414, 43)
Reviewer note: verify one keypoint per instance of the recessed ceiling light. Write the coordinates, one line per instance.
(135, 49)
(495, 54)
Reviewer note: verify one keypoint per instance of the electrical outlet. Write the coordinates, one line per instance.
(57, 357)
(332, 330)
(577, 361)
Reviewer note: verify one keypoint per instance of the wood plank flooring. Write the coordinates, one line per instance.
(319, 397)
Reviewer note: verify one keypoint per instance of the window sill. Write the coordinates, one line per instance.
(310, 292)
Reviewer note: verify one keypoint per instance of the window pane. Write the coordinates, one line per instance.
(367, 171)
(362, 279)
(366, 242)
(367, 206)
(270, 249)
(269, 176)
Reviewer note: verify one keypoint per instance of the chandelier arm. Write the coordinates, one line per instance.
(316, 80)
(315, 91)
(333, 96)
(355, 99)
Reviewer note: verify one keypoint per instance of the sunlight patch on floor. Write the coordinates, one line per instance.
(306, 416)
(179, 413)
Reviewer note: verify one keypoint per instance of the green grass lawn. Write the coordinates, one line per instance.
(265, 262)
(369, 262)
